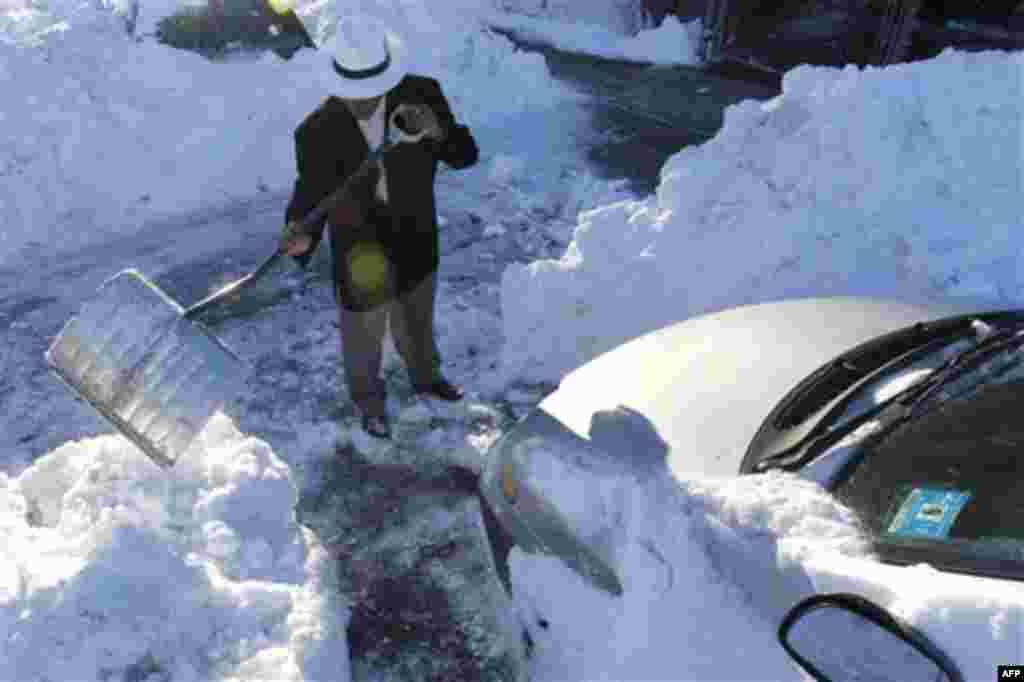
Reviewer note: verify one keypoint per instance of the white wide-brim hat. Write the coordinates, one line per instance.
(367, 56)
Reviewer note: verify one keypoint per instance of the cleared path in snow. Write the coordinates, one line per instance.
(645, 113)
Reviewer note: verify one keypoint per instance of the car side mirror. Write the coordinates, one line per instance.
(839, 637)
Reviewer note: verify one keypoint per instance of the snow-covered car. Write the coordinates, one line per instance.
(907, 413)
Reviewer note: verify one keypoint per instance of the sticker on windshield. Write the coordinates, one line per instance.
(928, 513)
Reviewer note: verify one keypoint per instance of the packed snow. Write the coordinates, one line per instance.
(117, 568)
(903, 181)
(896, 181)
(673, 557)
(82, 107)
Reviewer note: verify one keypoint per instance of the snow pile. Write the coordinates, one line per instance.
(710, 565)
(800, 515)
(118, 569)
(80, 161)
(670, 43)
(677, 591)
(903, 181)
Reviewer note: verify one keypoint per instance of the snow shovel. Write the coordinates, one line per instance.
(148, 365)
(145, 363)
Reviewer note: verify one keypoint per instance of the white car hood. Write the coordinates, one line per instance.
(704, 385)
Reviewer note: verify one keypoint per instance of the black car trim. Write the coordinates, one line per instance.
(801, 413)
(999, 342)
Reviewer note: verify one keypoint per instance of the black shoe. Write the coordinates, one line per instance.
(378, 427)
(442, 389)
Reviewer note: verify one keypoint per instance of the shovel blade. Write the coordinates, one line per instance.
(151, 372)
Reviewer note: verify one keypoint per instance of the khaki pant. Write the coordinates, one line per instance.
(411, 318)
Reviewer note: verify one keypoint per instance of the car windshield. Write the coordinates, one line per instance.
(904, 388)
(952, 475)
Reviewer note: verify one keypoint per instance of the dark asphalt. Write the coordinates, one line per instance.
(648, 112)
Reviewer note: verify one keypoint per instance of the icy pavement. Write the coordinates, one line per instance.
(415, 558)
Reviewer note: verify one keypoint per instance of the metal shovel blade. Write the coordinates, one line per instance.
(154, 374)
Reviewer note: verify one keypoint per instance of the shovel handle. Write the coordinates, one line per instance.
(308, 225)
(311, 223)
(229, 289)
(395, 136)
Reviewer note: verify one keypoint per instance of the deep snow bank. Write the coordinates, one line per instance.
(684, 610)
(102, 132)
(116, 569)
(709, 566)
(897, 181)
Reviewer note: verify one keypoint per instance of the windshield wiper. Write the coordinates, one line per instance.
(904, 405)
(992, 342)
(887, 414)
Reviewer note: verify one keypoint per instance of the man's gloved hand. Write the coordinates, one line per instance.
(417, 121)
(294, 241)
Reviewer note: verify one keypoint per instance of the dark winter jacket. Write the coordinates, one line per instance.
(330, 147)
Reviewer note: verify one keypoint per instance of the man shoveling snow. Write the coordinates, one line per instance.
(384, 241)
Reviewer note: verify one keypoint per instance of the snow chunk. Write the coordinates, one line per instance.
(799, 512)
(127, 569)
